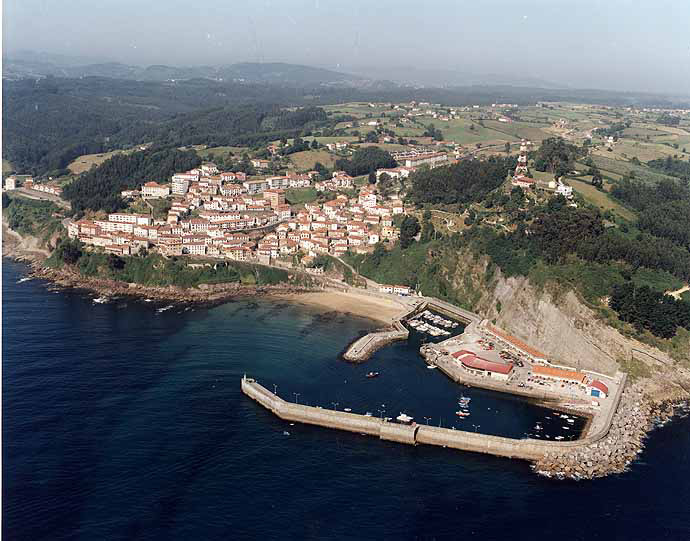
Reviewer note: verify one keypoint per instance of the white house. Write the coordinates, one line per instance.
(153, 189)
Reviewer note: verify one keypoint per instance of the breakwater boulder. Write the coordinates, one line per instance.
(635, 417)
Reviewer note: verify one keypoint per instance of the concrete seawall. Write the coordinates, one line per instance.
(527, 449)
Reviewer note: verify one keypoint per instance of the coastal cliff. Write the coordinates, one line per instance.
(551, 318)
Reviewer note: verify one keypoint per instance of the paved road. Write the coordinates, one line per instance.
(41, 196)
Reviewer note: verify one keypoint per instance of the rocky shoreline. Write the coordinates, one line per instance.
(632, 423)
(203, 293)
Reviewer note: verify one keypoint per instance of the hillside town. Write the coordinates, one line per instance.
(224, 215)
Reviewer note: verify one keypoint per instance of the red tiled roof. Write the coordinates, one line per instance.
(470, 360)
(599, 385)
(516, 342)
(553, 372)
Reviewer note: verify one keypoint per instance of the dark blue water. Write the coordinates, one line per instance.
(120, 422)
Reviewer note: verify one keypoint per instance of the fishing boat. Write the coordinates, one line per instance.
(462, 413)
(431, 367)
(372, 374)
(100, 300)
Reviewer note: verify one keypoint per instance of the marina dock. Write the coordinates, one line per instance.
(363, 348)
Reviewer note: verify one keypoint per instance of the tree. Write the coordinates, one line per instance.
(377, 255)
(115, 262)
(597, 179)
(366, 160)
(507, 147)
(314, 144)
(372, 178)
(428, 230)
(465, 182)
(69, 251)
(556, 156)
(408, 231)
(321, 169)
(385, 185)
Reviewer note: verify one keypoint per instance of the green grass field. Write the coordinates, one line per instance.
(87, 161)
(643, 173)
(304, 161)
(6, 166)
(600, 199)
(458, 130)
(518, 130)
(626, 149)
(300, 196)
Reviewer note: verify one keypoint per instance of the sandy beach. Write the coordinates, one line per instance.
(378, 309)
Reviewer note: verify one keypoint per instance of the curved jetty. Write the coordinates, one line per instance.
(411, 434)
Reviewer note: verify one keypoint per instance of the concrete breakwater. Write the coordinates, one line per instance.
(367, 345)
(412, 434)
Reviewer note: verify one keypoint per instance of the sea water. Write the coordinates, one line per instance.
(124, 422)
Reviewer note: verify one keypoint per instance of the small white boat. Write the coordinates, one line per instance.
(164, 308)
(25, 279)
(462, 413)
(101, 300)
(571, 420)
(405, 419)
(559, 438)
(286, 433)
(565, 427)
(431, 367)
(148, 300)
(348, 410)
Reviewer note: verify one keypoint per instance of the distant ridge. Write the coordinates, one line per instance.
(37, 65)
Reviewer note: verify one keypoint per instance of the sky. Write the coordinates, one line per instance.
(637, 45)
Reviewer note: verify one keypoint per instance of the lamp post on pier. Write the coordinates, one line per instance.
(296, 398)
(275, 389)
(427, 419)
(335, 405)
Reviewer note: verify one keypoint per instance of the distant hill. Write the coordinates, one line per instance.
(38, 65)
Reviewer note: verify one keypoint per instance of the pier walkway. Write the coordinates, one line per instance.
(412, 434)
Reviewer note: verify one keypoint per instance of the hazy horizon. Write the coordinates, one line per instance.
(617, 45)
